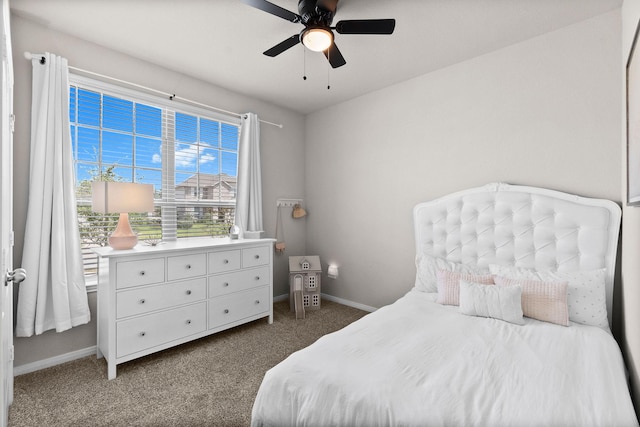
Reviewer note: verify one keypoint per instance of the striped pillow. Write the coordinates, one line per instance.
(449, 285)
(546, 301)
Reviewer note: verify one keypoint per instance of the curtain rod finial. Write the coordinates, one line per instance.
(28, 55)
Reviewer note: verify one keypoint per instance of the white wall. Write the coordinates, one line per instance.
(630, 223)
(282, 152)
(545, 112)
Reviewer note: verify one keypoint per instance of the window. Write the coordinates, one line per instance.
(189, 155)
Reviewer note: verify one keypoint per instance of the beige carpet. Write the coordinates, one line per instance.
(210, 382)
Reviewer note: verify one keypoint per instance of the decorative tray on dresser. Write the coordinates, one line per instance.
(153, 298)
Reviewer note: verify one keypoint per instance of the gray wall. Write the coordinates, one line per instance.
(544, 112)
(630, 342)
(282, 153)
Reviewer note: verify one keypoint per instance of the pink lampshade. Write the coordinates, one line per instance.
(118, 197)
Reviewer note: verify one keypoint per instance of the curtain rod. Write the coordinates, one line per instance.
(172, 97)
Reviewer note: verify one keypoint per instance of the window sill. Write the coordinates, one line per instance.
(91, 285)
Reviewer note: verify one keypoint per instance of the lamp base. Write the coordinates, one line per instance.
(123, 242)
(123, 237)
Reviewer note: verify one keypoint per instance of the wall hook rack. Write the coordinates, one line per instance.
(288, 203)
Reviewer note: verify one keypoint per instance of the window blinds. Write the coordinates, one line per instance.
(189, 157)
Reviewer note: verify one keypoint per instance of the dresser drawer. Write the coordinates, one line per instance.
(184, 266)
(230, 308)
(146, 299)
(224, 261)
(253, 257)
(148, 331)
(140, 272)
(238, 281)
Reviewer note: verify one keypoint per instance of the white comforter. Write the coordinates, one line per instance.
(417, 363)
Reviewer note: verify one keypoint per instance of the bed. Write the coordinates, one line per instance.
(533, 350)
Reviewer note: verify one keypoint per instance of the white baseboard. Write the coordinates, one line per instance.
(282, 297)
(349, 303)
(53, 361)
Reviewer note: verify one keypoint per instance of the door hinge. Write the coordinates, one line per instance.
(11, 353)
(12, 239)
(13, 122)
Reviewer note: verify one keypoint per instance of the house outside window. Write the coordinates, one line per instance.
(189, 155)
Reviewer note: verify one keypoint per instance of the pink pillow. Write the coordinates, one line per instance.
(546, 301)
(449, 285)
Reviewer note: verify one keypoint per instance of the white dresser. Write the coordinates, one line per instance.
(153, 298)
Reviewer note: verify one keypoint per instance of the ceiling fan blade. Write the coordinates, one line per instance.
(366, 26)
(334, 56)
(282, 46)
(273, 9)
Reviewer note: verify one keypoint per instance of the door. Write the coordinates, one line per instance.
(6, 217)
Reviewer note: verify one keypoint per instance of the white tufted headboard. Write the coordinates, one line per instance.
(527, 227)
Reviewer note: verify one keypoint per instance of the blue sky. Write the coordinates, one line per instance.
(132, 140)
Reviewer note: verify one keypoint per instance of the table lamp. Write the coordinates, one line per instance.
(121, 198)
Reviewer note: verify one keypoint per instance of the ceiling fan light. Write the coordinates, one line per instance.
(317, 39)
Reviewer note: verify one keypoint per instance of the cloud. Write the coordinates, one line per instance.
(186, 157)
(157, 157)
(206, 158)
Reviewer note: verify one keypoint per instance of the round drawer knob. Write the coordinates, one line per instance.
(225, 284)
(143, 334)
(188, 321)
(226, 261)
(257, 301)
(142, 273)
(257, 277)
(142, 301)
(188, 266)
(226, 311)
(257, 256)
(188, 291)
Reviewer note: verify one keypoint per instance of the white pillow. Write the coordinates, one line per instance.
(497, 302)
(586, 294)
(427, 267)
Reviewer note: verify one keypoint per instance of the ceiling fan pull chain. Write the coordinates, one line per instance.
(328, 74)
(304, 64)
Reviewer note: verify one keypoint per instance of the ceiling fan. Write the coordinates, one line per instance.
(317, 35)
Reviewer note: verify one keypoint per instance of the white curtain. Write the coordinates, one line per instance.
(249, 195)
(54, 294)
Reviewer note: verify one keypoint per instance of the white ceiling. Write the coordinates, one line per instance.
(221, 41)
